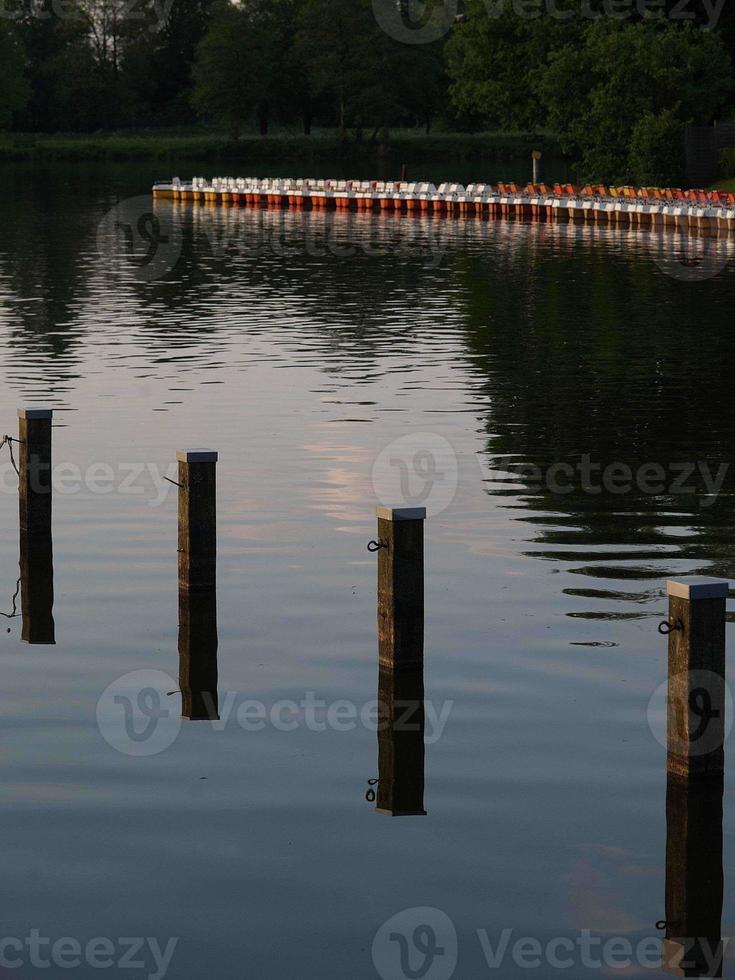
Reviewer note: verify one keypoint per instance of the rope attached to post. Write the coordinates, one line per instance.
(8, 440)
(14, 613)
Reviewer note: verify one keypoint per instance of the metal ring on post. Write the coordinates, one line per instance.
(374, 546)
(669, 627)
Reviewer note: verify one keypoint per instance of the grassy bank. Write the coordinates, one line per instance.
(322, 145)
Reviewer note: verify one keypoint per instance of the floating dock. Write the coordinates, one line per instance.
(706, 210)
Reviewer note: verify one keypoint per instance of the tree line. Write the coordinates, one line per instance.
(615, 80)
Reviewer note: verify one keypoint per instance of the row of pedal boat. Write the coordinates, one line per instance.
(548, 201)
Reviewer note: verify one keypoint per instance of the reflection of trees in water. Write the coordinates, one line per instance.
(345, 269)
(49, 258)
(235, 265)
(45, 229)
(583, 350)
(49, 218)
(354, 286)
(592, 355)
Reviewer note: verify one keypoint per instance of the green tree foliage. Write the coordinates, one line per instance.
(234, 68)
(600, 93)
(289, 96)
(106, 63)
(368, 76)
(618, 93)
(491, 59)
(656, 156)
(294, 59)
(174, 52)
(14, 89)
(333, 45)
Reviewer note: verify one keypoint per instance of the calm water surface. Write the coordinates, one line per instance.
(301, 347)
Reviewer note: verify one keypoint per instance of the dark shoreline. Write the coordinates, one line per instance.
(282, 147)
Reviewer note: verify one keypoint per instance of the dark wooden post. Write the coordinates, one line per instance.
(401, 743)
(197, 519)
(198, 583)
(34, 464)
(692, 946)
(198, 655)
(34, 503)
(37, 587)
(696, 693)
(401, 587)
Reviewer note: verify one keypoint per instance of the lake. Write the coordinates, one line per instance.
(559, 398)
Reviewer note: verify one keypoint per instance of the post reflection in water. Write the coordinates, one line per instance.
(401, 723)
(37, 587)
(198, 655)
(694, 877)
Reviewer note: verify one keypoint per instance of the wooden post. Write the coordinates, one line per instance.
(696, 694)
(198, 655)
(198, 583)
(34, 464)
(37, 587)
(197, 520)
(401, 587)
(692, 946)
(536, 161)
(401, 743)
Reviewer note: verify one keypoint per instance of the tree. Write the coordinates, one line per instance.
(290, 96)
(398, 82)
(491, 59)
(74, 65)
(598, 95)
(174, 51)
(618, 94)
(332, 44)
(656, 157)
(425, 82)
(368, 76)
(14, 88)
(233, 71)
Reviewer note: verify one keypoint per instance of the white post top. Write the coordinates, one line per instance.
(35, 413)
(197, 456)
(698, 587)
(401, 513)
